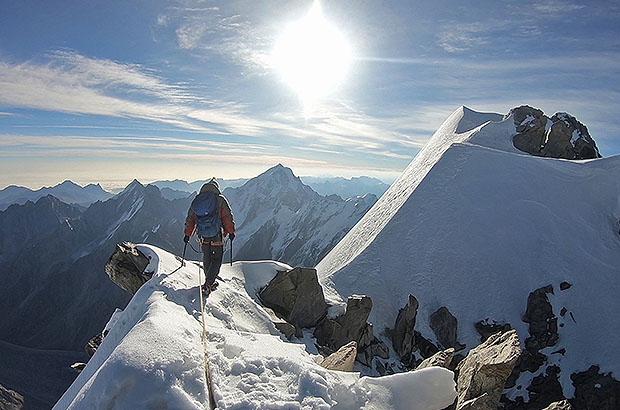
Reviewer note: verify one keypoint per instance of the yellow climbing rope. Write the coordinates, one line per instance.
(204, 344)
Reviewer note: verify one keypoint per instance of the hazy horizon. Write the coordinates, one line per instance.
(180, 89)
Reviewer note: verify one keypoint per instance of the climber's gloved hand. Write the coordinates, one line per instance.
(186, 239)
(231, 236)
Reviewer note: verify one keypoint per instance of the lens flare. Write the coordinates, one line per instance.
(312, 55)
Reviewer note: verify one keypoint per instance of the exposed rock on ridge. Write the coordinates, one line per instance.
(483, 373)
(126, 267)
(561, 136)
(297, 296)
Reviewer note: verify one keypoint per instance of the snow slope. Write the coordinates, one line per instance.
(153, 357)
(475, 225)
(278, 217)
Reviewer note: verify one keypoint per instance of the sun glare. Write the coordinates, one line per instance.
(312, 56)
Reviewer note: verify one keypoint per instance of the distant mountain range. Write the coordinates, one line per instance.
(343, 187)
(55, 293)
(346, 188)
(68, 192)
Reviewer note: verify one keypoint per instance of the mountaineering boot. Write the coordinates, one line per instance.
(207, 289)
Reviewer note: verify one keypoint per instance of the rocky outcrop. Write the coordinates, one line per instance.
(444, 325)
(126, 267)
(351, 326)
(368, 350)
(441, 359)
(560, 136)
(10, 400)
(297, 296)
(545, 389)
(595, 390)
(483, 373)
(93, 344)
(343, 359)
(559, 405)
(486, 328)
(282, 325)
(543, 324)
(78, 367)
(403, 336)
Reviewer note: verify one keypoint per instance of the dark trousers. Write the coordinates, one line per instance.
(211, 260)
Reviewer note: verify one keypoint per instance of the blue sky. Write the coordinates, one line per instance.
(110, 91)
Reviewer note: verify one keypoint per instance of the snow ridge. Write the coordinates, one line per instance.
(152, 356)
(475, 225)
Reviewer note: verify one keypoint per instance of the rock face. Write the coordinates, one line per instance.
(559, 405)
(10, 400)
(594, 390)
(560, 136)
(486, 328)
(280, 218)
(93, 344)
(403, 336)
(441, 359)
(485, 369)
(444, 324)
(126, 267)
(351, 326)
(342, 360)
(297, 296)
(282, 325)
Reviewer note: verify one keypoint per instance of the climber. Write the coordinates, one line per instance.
(211, 218)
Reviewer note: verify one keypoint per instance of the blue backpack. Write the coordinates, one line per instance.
(208, 221)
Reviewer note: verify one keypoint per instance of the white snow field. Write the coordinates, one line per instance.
(152, 357)
(475, 225)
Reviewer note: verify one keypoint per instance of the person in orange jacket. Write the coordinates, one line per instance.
(210, 218)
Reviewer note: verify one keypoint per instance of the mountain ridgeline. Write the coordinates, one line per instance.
(53, 253)
(68, 192)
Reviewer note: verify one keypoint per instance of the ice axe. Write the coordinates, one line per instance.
(231, 241)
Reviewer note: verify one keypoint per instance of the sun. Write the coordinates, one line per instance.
(312, 56)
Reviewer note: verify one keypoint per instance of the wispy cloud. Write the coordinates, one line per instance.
(462, 37)
(557, 7)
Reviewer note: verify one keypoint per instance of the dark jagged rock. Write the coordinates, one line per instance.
(297, 296)
(424, 346)
(483, 373)
(485, 328)
(376, 348)
(403, 335)
(565, 285)
(445, 325)
(595, 390)
(93, 344)
(543, 324)
(545, 389)
(126, 267)
(282, 325)
(560, 136)
(351, 326)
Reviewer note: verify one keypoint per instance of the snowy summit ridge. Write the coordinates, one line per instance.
(152, 356)
(475, 225)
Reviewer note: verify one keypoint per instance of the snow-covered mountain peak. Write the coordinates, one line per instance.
(475, 225)
(279, 184)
